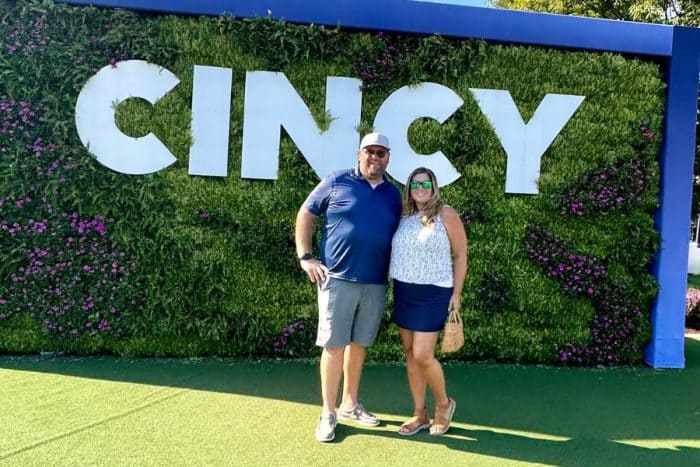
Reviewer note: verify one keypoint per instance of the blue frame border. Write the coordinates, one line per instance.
(429, 18)
(679, 47)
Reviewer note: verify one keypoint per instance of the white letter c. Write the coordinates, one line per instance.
(94, 116)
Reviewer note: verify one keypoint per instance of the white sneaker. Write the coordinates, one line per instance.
(325, 430)
(358, 414)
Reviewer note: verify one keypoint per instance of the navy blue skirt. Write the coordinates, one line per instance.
(420, 307)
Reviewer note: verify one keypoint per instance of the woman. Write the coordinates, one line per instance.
(428, 265)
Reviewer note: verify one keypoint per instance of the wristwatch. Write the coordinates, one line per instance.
(305, 256)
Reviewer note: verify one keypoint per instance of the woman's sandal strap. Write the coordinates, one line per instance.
(413, 425)
(443, 419)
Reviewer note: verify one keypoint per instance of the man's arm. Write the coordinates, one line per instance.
(303, 233)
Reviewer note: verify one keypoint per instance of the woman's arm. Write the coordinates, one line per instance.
(458, 245)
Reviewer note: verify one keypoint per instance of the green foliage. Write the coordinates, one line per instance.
(21, 334)
(682, 12)
(215, 259)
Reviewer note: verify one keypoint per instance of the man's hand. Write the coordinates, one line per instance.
(315, 269)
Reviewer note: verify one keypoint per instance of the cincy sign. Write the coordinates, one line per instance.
(272, 103)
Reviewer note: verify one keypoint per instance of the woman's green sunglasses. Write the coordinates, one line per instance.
(426, 184)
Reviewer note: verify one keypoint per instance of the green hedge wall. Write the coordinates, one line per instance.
(174, 265)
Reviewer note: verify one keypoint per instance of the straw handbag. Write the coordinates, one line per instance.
(453, 334)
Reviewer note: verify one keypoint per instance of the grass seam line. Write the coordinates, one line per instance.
(65, 434)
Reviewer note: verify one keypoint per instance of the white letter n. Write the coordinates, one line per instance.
(271, 102)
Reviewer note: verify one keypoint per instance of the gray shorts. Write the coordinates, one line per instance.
(349, 312)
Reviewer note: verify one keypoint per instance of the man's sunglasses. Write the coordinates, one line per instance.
(380, 153)
(426, 185)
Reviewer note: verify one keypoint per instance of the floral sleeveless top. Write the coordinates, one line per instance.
(420, 254)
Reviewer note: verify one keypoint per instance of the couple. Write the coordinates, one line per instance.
(366, 233)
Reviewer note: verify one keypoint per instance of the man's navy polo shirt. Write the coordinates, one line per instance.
(358, 225)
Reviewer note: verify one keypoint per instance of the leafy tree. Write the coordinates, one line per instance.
(679, 12)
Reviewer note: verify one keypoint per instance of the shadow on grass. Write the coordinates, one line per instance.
(538, 414)
(593, 451)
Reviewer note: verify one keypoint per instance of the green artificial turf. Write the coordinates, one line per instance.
(694, 281)
(109, 411)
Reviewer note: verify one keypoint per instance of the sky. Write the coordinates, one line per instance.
(458, 2)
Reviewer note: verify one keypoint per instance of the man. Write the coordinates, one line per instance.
(361, 211)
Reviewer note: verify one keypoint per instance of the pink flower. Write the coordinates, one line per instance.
(692, 299)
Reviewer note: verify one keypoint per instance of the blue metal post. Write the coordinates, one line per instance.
(666, 349)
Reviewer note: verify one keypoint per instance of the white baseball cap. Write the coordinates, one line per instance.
(374, 139)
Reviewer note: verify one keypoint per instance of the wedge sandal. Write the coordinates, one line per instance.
(443, 418)
(413, 425)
